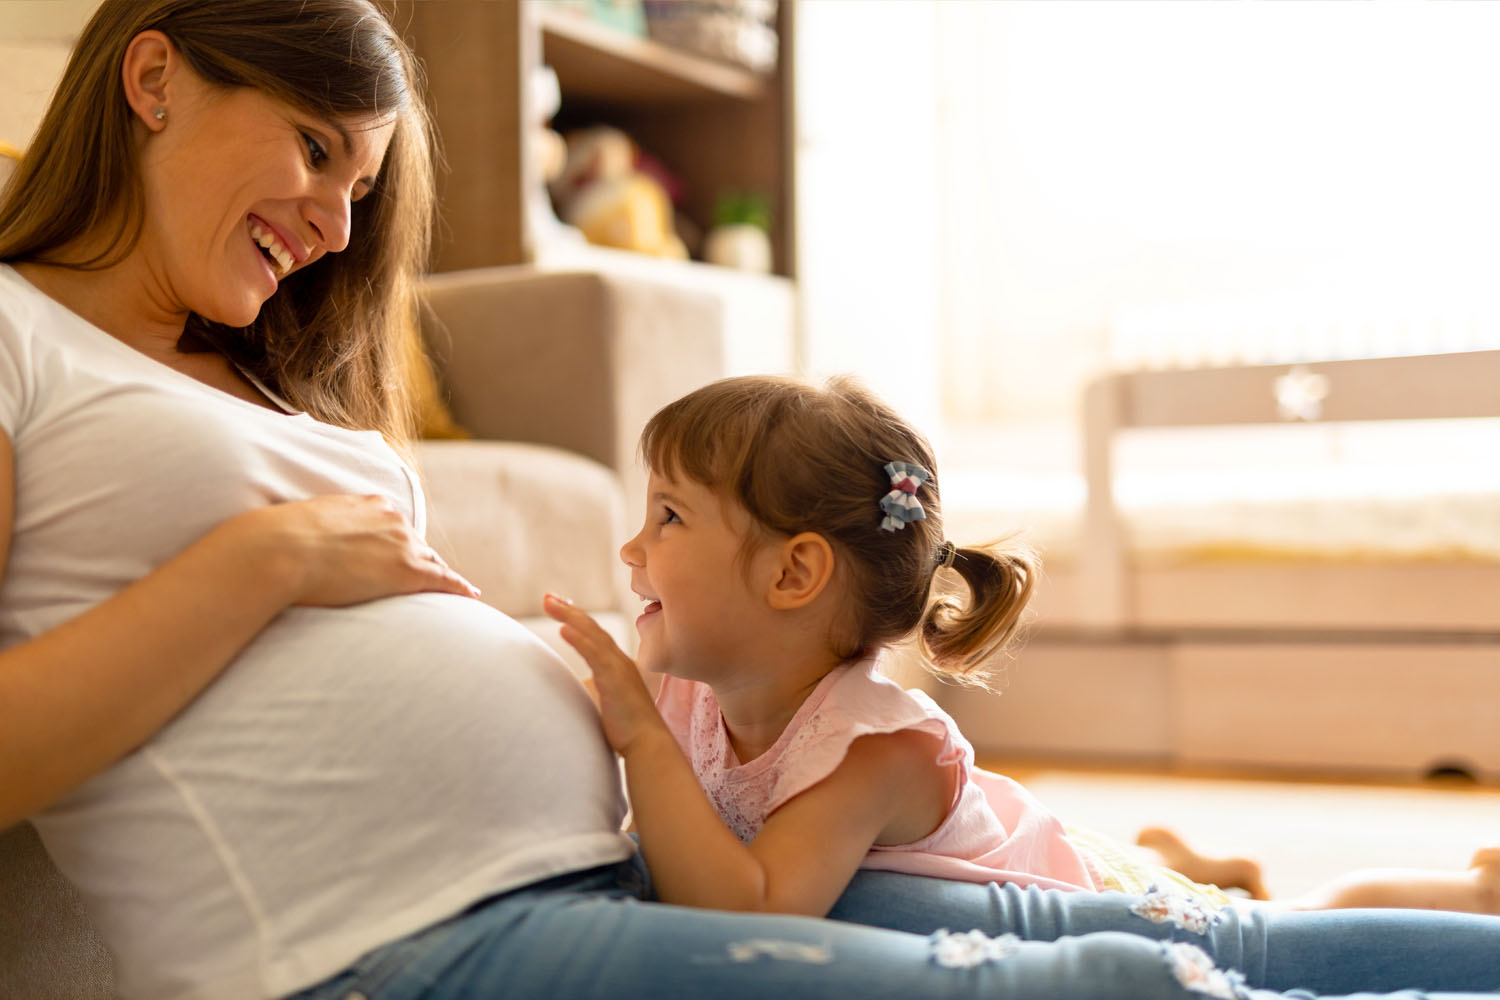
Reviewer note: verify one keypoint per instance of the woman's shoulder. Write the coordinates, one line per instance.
(19, 302)
(21, 307)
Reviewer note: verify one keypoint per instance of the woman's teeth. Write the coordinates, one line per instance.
(277, 251)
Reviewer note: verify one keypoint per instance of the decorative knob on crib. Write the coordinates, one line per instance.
(1300, 394)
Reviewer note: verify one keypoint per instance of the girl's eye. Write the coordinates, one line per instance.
(670, 516)
(316, 154)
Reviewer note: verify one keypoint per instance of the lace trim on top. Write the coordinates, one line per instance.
(744, 794)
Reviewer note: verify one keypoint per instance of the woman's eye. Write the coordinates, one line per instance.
(316, 154)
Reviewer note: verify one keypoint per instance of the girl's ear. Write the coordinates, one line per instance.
(805, 566)
(150, 62)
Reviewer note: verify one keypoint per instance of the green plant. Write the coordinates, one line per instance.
(740, 208)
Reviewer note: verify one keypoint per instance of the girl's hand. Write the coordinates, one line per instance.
(625, 705)
(343, 549)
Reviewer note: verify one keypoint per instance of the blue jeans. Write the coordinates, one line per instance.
(594, 934)
(1325, 952)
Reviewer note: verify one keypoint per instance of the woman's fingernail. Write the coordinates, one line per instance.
(560, 599)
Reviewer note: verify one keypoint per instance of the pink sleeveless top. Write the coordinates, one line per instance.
(994, 832)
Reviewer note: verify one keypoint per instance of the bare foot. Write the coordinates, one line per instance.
(1485, 857)
(1226, 873)
(1486, 869)
(1474, 891)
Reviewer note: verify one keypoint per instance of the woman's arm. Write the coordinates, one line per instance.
(888, 788)
(77, 698)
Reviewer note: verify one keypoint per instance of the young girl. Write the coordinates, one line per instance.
(792, 535)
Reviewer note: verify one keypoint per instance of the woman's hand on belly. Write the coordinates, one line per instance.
(338, 550)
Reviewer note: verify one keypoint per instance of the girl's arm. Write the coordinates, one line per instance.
(888, 788)
(77, 698)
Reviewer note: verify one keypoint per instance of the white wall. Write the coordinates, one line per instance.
(866, 177)
(30, 19)
(35, 36)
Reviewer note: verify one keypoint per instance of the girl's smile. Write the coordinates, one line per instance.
(653, 607)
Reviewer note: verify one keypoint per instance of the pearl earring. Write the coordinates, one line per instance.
(161, 114)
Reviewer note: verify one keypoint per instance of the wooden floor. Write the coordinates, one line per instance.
(1021, 768)
(1302, 828)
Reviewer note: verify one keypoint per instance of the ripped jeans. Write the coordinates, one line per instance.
(593, 934)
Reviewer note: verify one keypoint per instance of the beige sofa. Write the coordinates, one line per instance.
(554, 374)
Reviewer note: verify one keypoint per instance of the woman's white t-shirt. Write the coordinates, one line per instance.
(355, 774)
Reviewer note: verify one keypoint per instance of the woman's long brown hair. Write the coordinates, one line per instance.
(335, 337)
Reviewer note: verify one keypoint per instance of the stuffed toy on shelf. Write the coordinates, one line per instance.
(611, 194)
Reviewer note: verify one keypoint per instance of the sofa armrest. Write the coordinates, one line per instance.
(578, 360)
(48, 948)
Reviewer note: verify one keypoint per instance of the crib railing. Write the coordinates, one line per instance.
(1431, 386)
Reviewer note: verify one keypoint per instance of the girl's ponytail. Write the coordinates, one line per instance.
(960, 641)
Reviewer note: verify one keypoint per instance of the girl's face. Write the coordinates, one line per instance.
(705, 608)
(243, 189)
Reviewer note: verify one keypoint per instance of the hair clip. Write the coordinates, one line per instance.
(946, 553)
(901, 504)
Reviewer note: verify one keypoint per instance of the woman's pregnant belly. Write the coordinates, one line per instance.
(351, 763)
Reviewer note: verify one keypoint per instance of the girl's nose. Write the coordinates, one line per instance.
(632, 554)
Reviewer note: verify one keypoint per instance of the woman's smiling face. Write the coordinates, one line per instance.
(242, 189)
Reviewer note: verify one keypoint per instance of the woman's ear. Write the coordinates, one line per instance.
(151, 61)
(805, 567)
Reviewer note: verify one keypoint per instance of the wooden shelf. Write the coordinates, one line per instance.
(599, 63)
(573, 254)
(718, 127)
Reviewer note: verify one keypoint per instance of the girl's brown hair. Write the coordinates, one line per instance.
(799, 457)
(335, 337)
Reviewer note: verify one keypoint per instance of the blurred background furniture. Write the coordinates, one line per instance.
(1299, 621)
(717, 126)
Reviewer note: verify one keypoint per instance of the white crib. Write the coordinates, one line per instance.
(1367, 639)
